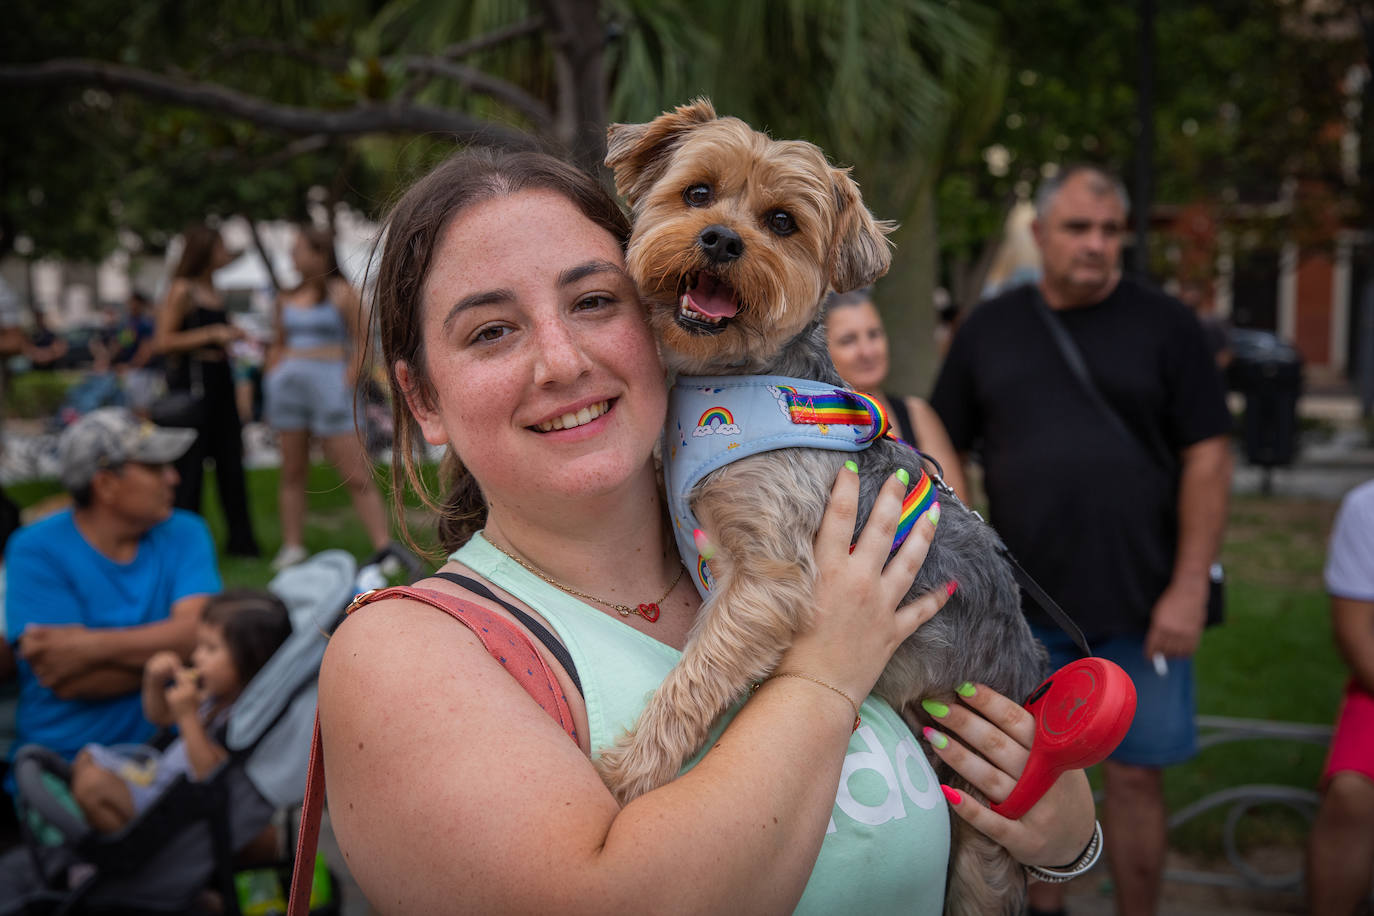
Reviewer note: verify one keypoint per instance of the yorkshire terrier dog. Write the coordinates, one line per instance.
(737, 239)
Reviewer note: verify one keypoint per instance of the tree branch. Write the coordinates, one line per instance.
(366, 118)
(475, 80)
(492, 39)
(462, 49)
(229, 156)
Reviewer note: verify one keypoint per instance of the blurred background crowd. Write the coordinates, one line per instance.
(137, 134)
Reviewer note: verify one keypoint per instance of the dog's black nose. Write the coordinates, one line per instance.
(721, 243)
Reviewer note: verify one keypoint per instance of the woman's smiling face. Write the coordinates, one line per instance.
(545, 376)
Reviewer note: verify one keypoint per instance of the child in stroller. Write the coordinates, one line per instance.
(188, 839)
(238, 632)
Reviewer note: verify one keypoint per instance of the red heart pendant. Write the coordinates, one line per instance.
(649, 612)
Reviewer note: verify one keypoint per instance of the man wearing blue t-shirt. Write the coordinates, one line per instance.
(95, 590)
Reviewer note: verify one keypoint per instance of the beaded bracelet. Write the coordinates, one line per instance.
(1077, 867)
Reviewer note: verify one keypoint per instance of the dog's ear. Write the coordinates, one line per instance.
(639, 153)
(862, 253)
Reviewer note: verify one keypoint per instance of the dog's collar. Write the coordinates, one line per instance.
(716, 420)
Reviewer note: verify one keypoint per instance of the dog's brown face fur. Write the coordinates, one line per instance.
(737, 237)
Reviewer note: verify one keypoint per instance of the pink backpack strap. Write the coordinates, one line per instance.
(506, 642)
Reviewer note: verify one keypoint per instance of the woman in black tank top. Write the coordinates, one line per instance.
(193, 334)
(858, 347)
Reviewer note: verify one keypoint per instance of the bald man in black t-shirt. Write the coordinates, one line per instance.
(1119, 519)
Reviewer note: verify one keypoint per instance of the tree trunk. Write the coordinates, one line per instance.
(905, 298)
(577, 39)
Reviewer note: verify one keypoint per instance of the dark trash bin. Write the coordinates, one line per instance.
(1268, 372)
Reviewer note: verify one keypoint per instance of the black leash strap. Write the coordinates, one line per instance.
(1047, 604)
(1023, 578)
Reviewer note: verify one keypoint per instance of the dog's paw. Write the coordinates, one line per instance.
(629, 770)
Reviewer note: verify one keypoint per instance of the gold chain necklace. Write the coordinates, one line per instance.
(648, 611)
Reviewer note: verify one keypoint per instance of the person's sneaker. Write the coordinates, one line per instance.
(289, 555)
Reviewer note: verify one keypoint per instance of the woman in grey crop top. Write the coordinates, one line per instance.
(309, 391)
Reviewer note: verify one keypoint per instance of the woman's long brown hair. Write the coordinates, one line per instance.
(411, 232)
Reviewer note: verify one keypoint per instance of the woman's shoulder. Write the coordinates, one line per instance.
(406, 631)
(342, 293)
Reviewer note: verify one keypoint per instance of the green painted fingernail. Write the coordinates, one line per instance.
(903, 476)
(852, 466)
(935, 737)
(933, 513)
(966, 689)
(935, 708)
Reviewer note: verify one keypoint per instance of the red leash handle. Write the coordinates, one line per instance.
(1082, 712)
(503, 640)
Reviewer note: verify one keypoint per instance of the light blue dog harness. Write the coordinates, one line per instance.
(715, 420)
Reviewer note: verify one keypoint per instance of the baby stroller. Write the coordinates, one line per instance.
(184, 843)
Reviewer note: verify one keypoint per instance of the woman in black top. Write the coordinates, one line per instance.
(193, 334)
(858, 347)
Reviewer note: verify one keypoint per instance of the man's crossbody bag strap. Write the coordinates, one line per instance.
(1216, 595)
(506, 642)
(1069, 350)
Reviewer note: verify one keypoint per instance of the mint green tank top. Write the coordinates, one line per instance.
(887, 844)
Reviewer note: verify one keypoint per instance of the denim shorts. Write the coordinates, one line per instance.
(309, 394)
(1164, 731)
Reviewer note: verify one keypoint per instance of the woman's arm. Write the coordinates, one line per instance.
(167, 334)
(350, 307)
(934, 441)
(450, 789)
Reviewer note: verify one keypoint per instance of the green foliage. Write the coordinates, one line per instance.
(879, 84)
(38, 395)
(1246, 95)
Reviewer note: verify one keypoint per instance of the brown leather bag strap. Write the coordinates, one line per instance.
(506, 643)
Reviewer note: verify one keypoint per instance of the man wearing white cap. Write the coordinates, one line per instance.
(94, 590)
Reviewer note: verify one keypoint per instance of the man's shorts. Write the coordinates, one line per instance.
(1352, 746)
(309, 394)
(1164, 731)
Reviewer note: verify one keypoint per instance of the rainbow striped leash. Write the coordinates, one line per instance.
(917, 500)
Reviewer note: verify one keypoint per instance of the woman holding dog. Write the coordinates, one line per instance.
(857, 341)
(519, 343)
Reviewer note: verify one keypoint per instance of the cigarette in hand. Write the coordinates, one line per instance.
(1161, 664)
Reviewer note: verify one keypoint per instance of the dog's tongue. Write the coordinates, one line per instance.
(713, 298)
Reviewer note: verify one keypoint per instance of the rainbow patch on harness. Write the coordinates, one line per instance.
(840, 407)
(914, 505)
(704, 574)
(717, 421)
(718, 414)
